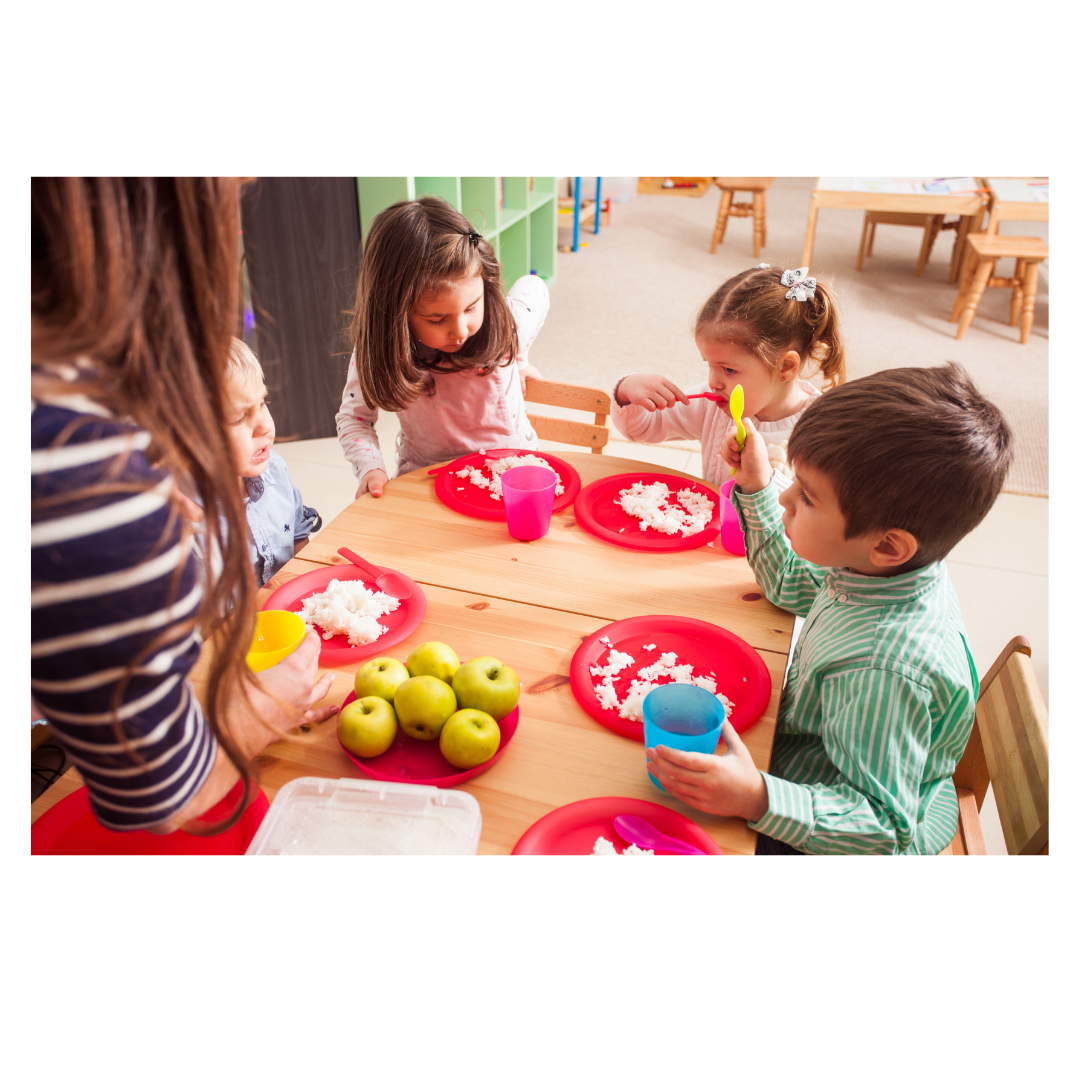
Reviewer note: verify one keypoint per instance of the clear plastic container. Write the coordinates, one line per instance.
(317, 816)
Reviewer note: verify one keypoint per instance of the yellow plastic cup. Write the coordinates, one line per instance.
(277, 633)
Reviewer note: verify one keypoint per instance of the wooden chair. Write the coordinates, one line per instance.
(568, 396)
(931, 224)
(1007, 749)
(729, 185)
(981, 255)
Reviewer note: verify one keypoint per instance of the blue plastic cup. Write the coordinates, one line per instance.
(684, 717)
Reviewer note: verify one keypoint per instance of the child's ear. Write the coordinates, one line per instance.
(894, 548)
(790, 363)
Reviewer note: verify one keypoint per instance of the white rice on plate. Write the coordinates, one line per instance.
(346, 607)
(650, 504)
(497, 466)
(603, 846)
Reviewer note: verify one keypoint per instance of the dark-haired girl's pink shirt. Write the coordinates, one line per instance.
(468, 412)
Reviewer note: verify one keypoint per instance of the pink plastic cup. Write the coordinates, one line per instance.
(528, 493)
(731, 534)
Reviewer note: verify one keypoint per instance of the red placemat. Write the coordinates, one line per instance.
(598, 511)
(411, 761)
(337, 650)
(467, 498)
(573, 829)
(740, 673)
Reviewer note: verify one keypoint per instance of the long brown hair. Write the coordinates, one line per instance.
(416, 247)
(752, 309)
(139, 277)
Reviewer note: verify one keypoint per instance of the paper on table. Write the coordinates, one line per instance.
(1010, 189)
(928, 185)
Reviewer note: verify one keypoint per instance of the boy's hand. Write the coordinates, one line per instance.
(753, 470)
(526, 372)
(651, 392)
(729, 786)
(373, 480)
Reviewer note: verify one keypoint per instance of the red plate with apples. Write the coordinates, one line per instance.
(468, 498)
(410, 761)
(573, 829)
(337, 650)
(740, 674)
(598, 511)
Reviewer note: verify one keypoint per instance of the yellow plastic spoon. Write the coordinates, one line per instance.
(735, 404)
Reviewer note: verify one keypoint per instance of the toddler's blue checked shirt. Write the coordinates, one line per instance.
(277, 518)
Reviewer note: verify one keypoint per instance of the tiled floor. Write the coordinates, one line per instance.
(1001, 571)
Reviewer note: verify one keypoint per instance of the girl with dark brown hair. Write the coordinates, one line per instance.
(765, 330)
(435, 341)
(133, 302)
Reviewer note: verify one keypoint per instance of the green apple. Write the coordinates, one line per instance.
(380, 678)
(487, 684)
(423, 704)
(367, 726)
(433, 658)
(469, 738)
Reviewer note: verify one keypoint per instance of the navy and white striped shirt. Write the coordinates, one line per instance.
(111, 574)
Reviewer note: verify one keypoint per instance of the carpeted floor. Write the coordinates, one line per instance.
(627, 302)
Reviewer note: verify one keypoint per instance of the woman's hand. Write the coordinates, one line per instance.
(286, 696)
(526, 372)
(728, 785)
(372, 481)
(651, 392)
(753, 469)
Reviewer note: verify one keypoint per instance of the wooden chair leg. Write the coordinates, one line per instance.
(870, 239)
(1031, 285)
(1017, 298)
(967, 273)
(971, 302)
(763, 215)
(862, 243)
(759, 218)
(721, 220)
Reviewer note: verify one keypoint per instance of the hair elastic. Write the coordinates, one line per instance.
(801, 285)
(474, 238)
(762, 266)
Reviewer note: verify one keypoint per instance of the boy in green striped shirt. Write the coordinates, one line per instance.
(891, 471)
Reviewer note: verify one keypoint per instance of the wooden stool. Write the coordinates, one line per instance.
(980, 256)
(728, 185)
(931, 224)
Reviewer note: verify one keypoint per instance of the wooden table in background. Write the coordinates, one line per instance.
(834, 192)
(532, 605)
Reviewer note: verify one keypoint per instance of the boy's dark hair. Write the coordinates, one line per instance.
(909, 448)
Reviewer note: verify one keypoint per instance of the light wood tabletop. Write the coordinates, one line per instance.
(531, 605)
(844, 193)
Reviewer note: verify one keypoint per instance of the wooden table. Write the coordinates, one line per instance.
(835, 192)
(1014, 199)
(531, 605)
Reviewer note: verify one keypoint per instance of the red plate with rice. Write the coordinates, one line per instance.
(597, 510)
(460, 494)
(713, 652)
(337, 650)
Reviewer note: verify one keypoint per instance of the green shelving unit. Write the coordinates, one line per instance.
(523, 231)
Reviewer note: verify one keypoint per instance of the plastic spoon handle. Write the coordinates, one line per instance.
(735, 405)
(712, 397)
(389, 581)
(636, 830)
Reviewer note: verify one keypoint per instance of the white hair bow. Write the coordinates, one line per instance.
(801, 285)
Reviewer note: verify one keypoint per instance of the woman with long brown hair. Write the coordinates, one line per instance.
(133, 300)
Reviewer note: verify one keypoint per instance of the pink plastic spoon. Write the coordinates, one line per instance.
(712, 397)
(636, 830)
(389, 581)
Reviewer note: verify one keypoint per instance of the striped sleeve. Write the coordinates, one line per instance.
(789, 582)
(877, 732)
(114, 601)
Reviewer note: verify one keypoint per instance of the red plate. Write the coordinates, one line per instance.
(573, 829)
(337, 650)
(70, 828)
(741, 675)
(410, 761)
(597, 509)
(477, 502)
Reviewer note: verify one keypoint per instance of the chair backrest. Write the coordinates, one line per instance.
(1008, 751)
(568, 396)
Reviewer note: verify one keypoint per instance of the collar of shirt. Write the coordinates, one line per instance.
(850, 586)
(256, 485)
